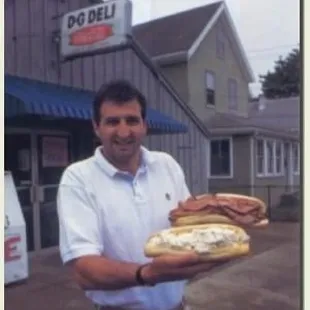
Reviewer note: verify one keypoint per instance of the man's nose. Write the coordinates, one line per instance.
(123, 130)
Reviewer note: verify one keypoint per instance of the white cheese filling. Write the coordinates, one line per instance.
(200, 240)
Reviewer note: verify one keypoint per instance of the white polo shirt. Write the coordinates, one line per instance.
(104, 211)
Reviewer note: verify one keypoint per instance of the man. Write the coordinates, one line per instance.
(110, 203)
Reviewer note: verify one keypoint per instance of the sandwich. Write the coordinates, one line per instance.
(223, 208)
(211, 242)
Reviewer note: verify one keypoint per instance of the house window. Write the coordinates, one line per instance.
(220, 43)
(269, 157)
(279, 157)
(221, 158)
(210, 88)
(232, 94)
(260, 156)
(296, 158)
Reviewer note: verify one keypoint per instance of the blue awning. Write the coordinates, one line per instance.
(29, 97)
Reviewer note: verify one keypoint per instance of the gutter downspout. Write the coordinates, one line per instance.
(252, 163)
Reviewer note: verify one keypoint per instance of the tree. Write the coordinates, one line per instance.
(284, 81)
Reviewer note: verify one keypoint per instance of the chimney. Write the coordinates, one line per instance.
(261, 103)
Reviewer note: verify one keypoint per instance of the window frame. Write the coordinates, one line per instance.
(231, 158)
(260, 156)
(269, 142)
(209, 89)
(274, 158)
(281, 157)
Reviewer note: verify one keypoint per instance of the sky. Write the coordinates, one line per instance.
(267, 28)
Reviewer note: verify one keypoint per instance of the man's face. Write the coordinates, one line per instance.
(121, 129)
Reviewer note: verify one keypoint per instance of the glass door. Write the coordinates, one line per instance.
(53, 157)
(18, 158)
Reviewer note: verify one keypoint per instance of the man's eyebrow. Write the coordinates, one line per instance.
(113, 117)
(124, 116)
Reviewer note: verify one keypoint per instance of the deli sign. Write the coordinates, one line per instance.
(94, 29)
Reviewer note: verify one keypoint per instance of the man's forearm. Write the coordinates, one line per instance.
(99, 273)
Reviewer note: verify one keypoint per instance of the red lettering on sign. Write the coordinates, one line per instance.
(11, 250)
(91, 35)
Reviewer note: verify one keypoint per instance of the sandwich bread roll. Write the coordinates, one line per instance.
(212, 242)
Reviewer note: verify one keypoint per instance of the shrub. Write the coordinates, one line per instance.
(285, 213)
(289, 200)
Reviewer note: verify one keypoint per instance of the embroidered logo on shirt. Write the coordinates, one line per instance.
(168, 197)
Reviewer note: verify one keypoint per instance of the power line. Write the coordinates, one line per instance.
(272, 56)
(272, 48)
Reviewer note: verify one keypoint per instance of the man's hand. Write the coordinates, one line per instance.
(167, 268)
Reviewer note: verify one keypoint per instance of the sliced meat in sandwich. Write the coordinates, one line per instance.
(220, 208)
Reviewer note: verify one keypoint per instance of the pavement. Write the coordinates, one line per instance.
(268, 279)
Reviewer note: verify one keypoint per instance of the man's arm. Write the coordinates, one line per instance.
(81, 243)
(100, 273)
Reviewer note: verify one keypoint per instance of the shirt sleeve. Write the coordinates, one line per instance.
(79, 226)
(184, 191)
(178, 173)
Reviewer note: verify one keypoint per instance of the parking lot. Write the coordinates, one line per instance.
(268, 279)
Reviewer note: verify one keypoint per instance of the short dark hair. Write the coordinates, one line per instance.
(120, 92)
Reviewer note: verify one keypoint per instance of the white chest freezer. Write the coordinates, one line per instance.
(15, 242)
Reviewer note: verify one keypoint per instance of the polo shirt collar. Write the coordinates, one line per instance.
(147, 159)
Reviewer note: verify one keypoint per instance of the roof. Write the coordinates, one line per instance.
(176, 37)
(281, 113)
(176, 32)
(132, 43)
(225, 120)
(29, 97)
(224, 123)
